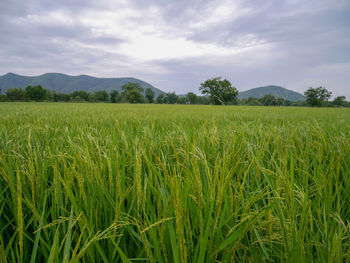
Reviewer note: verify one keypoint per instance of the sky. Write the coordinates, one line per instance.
(176, 45)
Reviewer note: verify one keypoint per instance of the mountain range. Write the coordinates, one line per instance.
(68, 84)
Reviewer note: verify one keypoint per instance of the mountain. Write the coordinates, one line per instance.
(276, 91)
(67, 84)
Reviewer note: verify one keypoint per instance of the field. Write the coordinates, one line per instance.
(161, 183)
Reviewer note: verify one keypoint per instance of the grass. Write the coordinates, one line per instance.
(161, 183)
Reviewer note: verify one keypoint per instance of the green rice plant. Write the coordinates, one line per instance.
(173, 183)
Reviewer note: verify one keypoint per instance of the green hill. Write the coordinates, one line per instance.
(67, 84)
(276, 91)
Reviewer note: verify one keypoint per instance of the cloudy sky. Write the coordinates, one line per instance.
(176, 45)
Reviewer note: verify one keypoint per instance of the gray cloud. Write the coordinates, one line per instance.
(175, 45)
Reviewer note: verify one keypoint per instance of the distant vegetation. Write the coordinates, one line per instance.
(133, 93)
(215, 91)
(61, 83)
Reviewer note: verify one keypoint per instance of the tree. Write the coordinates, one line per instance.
(203, 100)
(149, 94)
(14, 94)
(82, 94)
(317, 97)
(192, 98)
(299, 104)
(78, 99)
(2, 97)
(220, 91)
(182, 100)
(37, 93)
(268, 100)
(280, 101)
(92, 97)
(287, 103)
(132, 92)
(252, 101)
(160, 98)
(340, 101)
(61, 97)
(171, 98)
(114, 96)
(101, 96)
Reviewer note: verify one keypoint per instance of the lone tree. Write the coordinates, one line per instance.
(317, 97)
(220, 91)
(132, 92)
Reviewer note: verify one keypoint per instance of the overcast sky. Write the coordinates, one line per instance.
(176, 45)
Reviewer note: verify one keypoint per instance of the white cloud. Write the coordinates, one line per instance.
(50, 18)
(216, 13)
(146, 35)
(252, 42)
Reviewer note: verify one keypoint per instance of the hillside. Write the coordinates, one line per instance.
(277, 91)
(67, 84)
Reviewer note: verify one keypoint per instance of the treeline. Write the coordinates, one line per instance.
(131, 93)
(270, 100)
(216, 91)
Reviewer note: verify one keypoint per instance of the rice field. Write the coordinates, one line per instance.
(180, 183)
